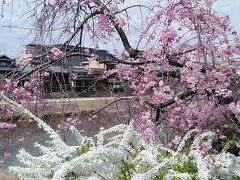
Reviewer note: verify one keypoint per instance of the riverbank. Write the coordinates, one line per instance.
(76, 105)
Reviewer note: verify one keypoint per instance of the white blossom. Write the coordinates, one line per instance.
(123, 152)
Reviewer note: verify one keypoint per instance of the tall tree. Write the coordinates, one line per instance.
(180, 57)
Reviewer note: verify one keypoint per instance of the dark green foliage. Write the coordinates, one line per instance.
(163, 171)
(186, 167)
(162, 155)
(127, 171)
(83, 149)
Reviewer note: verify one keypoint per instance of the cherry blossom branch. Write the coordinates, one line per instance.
(172, 59)
(231, 116)
(133, 6)
(181, 96)
(48, 64)
(134, 53)
(20, 109)
(186, 94)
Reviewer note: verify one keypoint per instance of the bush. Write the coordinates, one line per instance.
(126, 156)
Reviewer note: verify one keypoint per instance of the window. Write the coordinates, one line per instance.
(76, 61)
(5, 64)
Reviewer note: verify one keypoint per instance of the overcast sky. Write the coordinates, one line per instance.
(12, 39)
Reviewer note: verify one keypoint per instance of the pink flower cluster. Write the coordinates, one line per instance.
(109, 73)
(173, 28)
(145, 126)
(6, 156)
(175, 142)
(65, 125)
(4, 125)
(57, 53)
(235, 108)
(24, 95)
(89, 1)
(204, 147)
(19, 94)
(61, 3)
(169, 35)
(161, 93)
(90, 71)
(30, 50)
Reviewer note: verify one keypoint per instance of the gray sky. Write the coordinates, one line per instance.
(12, 39)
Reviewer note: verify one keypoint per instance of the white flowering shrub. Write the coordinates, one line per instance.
(124, 155)
(120, 153)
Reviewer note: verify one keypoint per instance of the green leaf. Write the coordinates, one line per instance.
(83, 149)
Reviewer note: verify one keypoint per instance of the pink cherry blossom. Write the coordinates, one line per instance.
(57, 53)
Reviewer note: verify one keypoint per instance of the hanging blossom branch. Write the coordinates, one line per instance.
(50, 63)
(23, 111)
(172, 59)
(61, 149)
(126, 154)
(194, 46)
(135, 53)
(115, 101)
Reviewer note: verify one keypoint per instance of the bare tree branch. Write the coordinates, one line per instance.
(50, 63)
(120, 99)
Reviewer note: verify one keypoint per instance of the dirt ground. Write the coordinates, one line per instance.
(7, 176)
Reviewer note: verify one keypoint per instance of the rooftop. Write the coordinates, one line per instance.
(5, 58)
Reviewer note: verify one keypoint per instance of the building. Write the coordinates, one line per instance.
(7, 66)
(79, 73)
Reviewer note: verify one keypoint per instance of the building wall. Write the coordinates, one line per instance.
(25, 58)
(94, 64)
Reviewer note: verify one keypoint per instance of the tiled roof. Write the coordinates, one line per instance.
(5, 58)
